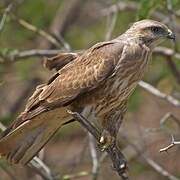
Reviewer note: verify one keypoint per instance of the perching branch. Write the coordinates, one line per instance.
(94, 156)
(118, 160)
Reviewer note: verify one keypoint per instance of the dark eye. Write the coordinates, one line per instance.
(156, 29)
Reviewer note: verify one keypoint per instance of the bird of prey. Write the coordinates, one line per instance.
(95, 83)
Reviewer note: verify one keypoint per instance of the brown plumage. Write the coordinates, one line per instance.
(95, 83)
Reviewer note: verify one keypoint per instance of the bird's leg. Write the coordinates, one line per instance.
(106, 140)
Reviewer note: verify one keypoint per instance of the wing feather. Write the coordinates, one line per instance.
(81, 75)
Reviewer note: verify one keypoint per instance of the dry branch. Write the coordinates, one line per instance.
(4, 16)
(41, 32)
(159, 94)
(166, 52)
(111, 22)
(94, 157)
(19, 55)
(133, 6)
(174, 70)
(118, 160)
(159, 169)
(172, 144)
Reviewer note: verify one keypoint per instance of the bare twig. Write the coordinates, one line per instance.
(94, 157)
(120, 6)
(167, 52)
(111, 22)
(159, 169)
(172, 144)
(41, 32)
(170, 63)
(166, 117)
(3, 19)
(74, 176)
(133, 6)
(119, 162)
(41, 168)
(66, 15)
(159, 94)
(151, 162)
(173, 69)
(19, 55)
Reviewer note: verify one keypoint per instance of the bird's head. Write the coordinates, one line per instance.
(150, 32)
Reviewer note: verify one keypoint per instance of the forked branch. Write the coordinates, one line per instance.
(171, 145)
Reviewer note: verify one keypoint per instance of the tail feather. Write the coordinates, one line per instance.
(21, 144)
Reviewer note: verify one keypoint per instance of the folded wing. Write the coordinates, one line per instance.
(45, 112)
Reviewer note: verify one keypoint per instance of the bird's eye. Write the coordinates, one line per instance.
(156, 29)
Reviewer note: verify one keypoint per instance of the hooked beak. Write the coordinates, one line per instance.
(171, 35)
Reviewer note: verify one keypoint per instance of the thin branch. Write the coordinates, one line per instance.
(172, 144)
(21, 55)
(18, 55)
(133, 6)
(151, 162)
(3, 19)
(159, 94)
(170, 63)
(110, 25)
(41, 168)
(119, 162)
(41, 32)
(159, 169)
(95, 162)
(167, 52)
(75, 176)
(174, 69)
(120, 6)
(168, 116)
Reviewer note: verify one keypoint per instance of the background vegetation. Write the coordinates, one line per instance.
(58, 25)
